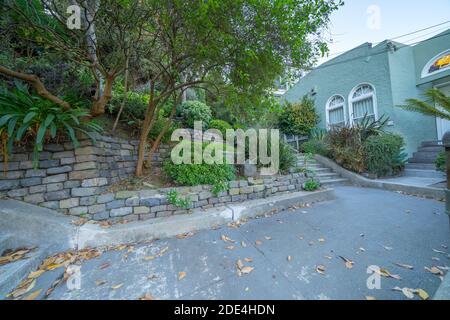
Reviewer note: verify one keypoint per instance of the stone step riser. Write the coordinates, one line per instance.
(421, 166)
(436, 150)
(431, 143)
(423, 173)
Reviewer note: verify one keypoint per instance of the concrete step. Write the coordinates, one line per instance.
(319, 169)
(5, 242)
(434, 149)
(327, 175)
(420, 166)
(13, 273)
(435, 143)
(423, 157)
(423, 173)
(333, 182)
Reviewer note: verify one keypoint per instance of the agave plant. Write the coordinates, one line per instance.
(437, 97)
(29, 118)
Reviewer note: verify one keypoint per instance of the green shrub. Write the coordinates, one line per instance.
(311, 185)
(159, 125)
(220, 125)
(134, 108)
(315, 147)
(176, 200)
(384, 154)
(299, 118)
(198, 174)
(192, 111)
(288, 158)
(28, 118)
(441, 161)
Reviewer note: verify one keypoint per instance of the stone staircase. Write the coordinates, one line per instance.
(12, 273)
(323, 174)
(422, 162)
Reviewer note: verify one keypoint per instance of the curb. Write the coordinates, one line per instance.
(92, 235)
(360, 181)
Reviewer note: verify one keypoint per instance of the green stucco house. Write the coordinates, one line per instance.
(374, 79)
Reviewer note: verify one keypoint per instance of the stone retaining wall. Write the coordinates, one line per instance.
(148, 204)
(69, 179)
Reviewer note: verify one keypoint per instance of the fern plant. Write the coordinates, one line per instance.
(28, 118)
(438, 104)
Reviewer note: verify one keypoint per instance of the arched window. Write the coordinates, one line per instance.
(363, 102)
(335, 112)
(438, 64)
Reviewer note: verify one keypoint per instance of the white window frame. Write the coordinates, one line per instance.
(425, 69)
(352, 100)
(328, 108)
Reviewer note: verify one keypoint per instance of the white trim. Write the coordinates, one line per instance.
(372, 95)
(328, 109)
(425, 69)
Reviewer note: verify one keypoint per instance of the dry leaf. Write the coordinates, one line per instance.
(243, 244)
(435, 270)
(328, 257)
(181, 275)
(321, 240)
(370, 298)
(408, 293)
(422, 294)
(258, 242)
(229, 247)
(185, 235)
(159, 254)
(104, 266)
(247, 270)
(386, 273)
(387, 248)
(289, 258)
(36, 274)
(348, 263)
(268, 238)
(406, 266)
(99, 282)
(362, 249)
(239, 264)
(226, 239)
(439, 251)
(321, 269)
(248, 260)
(147, 296)
(117, 286)
(34, 295)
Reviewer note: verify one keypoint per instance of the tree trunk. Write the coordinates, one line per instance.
(98, 106)
(122, 105)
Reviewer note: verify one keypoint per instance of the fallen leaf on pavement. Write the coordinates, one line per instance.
(247, 270)
(422, 293)
(36, 274)
(348, 263)
(435, 259)
(99, 282)
(147, 296)
(33, 295)
(370, 298)
(385, 273)
(435, 270)
(387, 248)
(321, 240)
(159, 254)
(229, 247)
(239, 264)
(226, 239)
(104, 266)
(321, 269)
(328, 257)
(243, 244)
(248, 260)
(406, 266)
(268, 238)
(258, 242)
(362, 249)
(181, 275)
(117, 286)
(439, 251)
(185, 235)
(289, 258)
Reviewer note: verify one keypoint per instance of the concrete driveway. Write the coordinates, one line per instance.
(366, 226)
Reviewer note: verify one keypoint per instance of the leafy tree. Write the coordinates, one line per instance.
(298, 118)
(439, 106)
